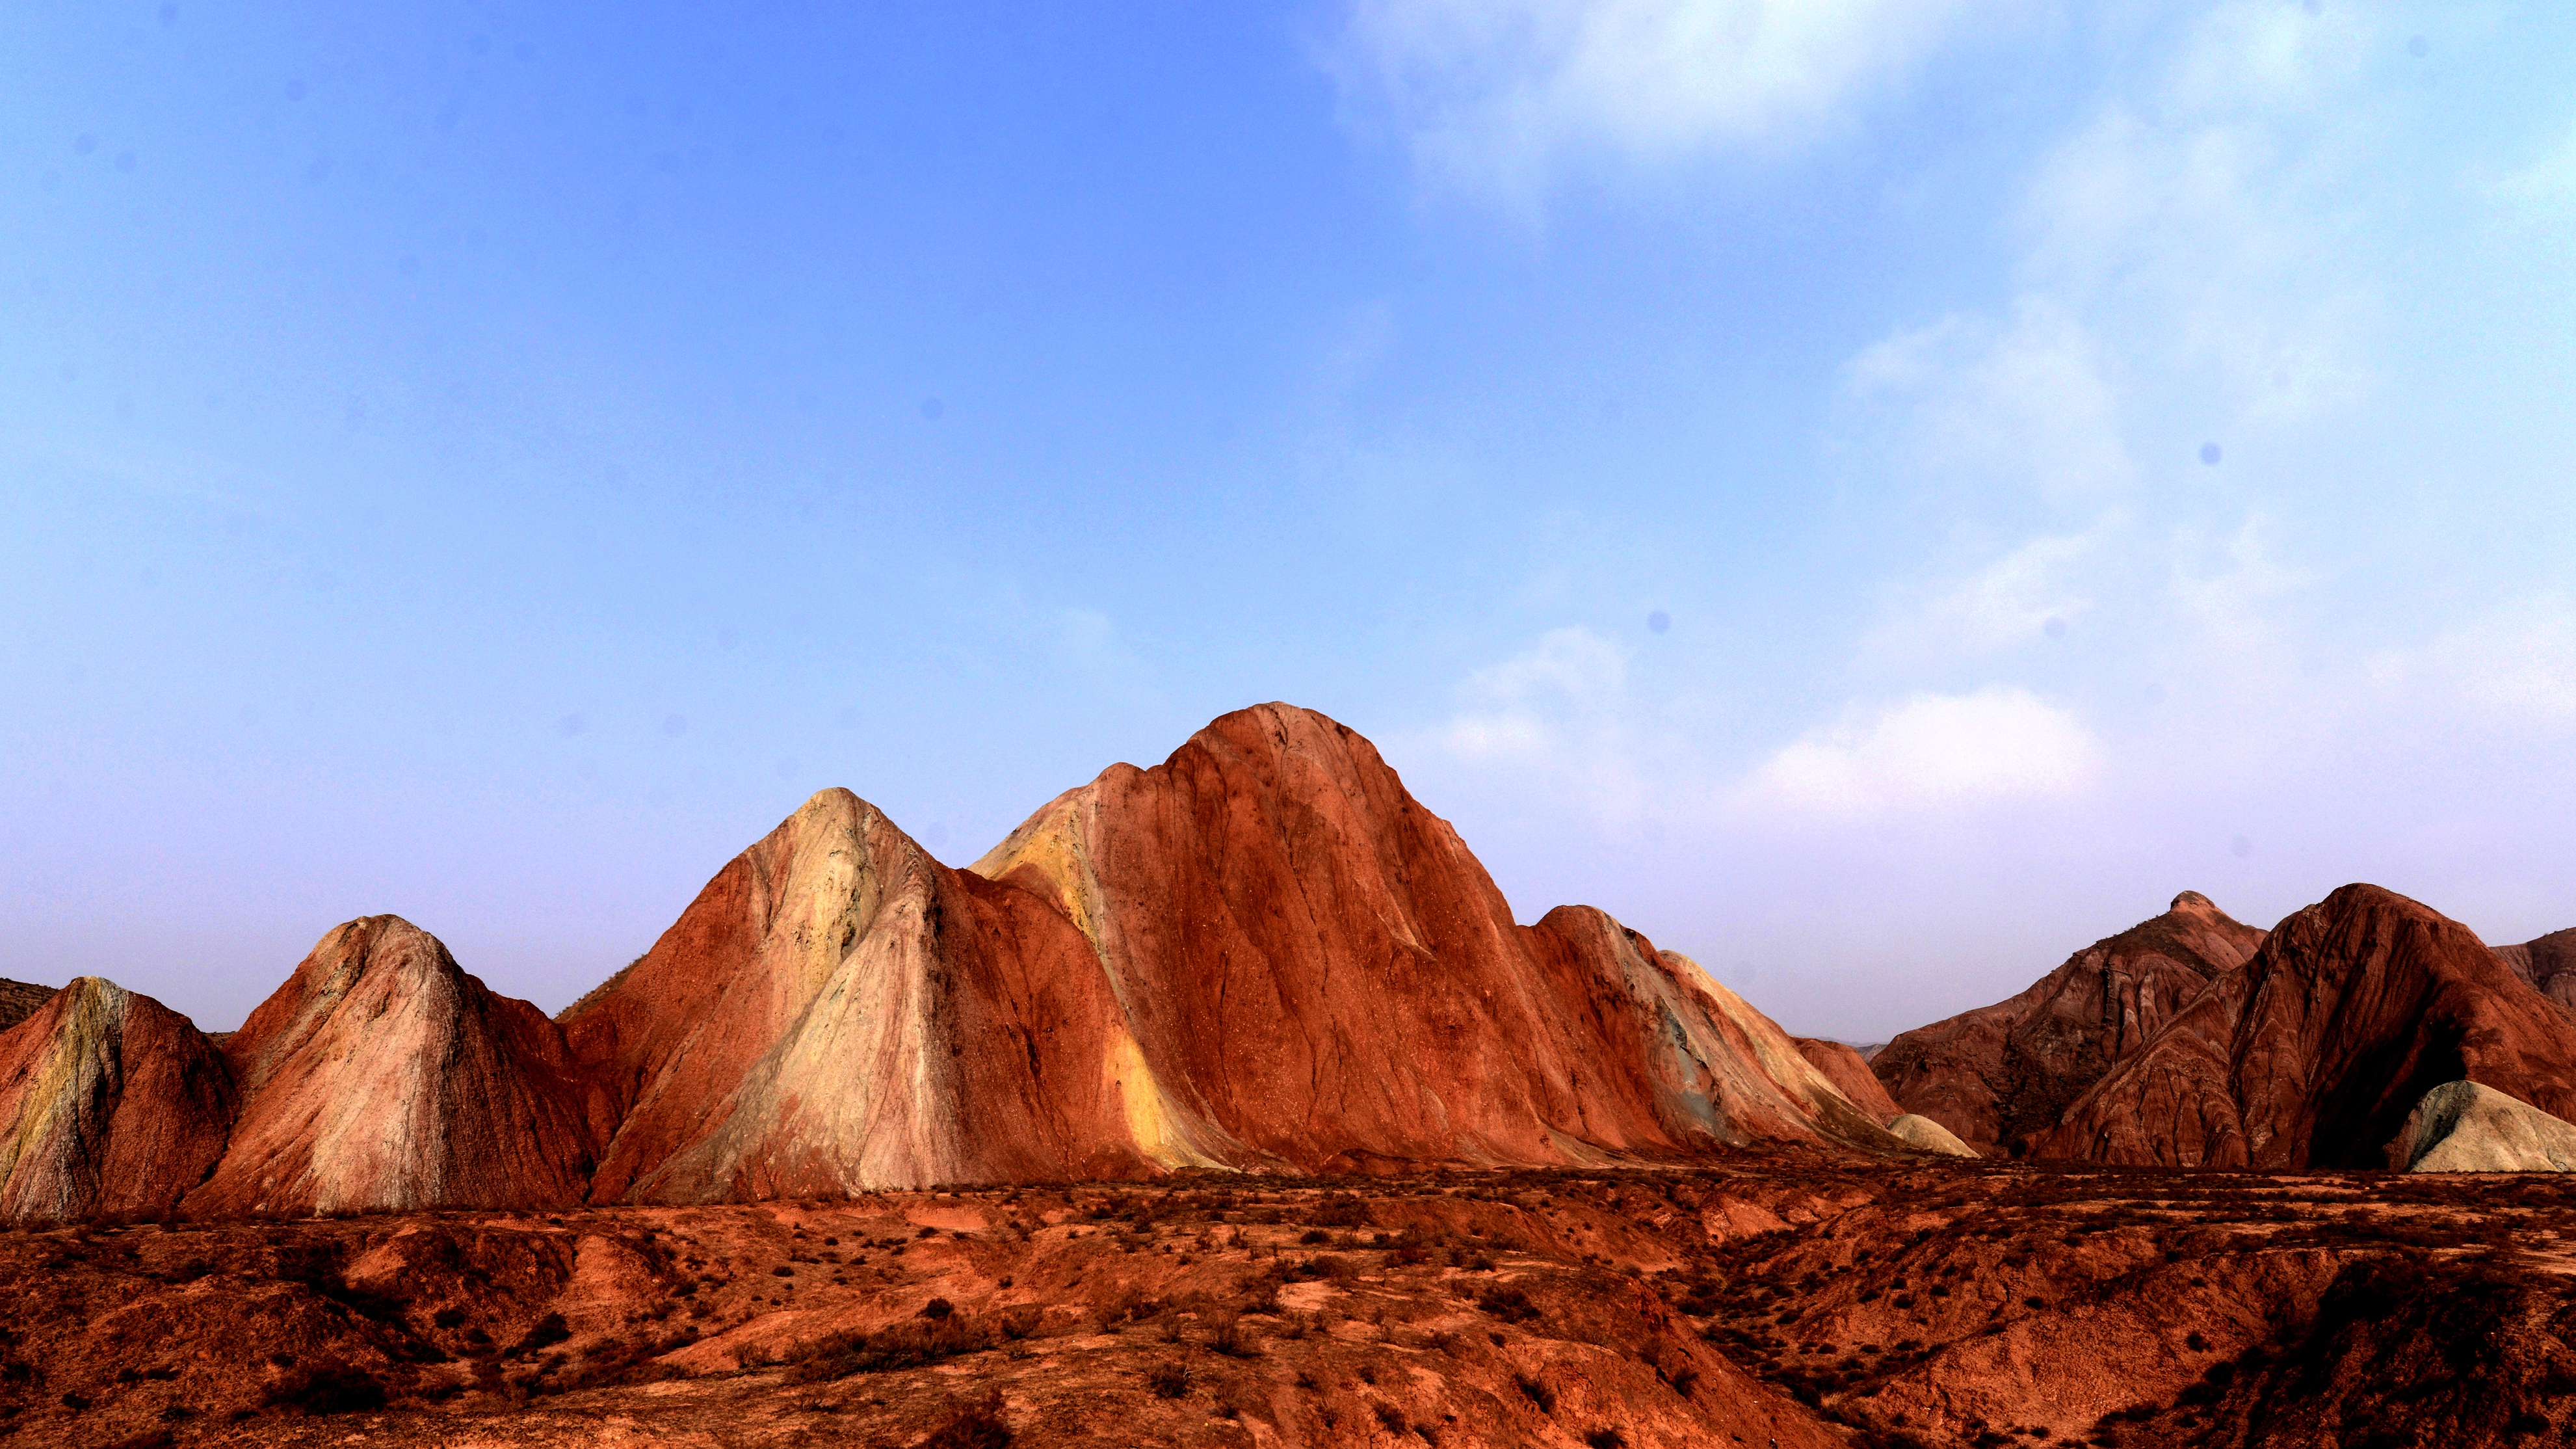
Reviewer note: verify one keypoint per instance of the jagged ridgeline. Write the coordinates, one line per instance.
(2347, 1036)
(1261, 955)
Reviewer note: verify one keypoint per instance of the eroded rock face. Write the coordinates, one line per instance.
(837, 1011)
(2313, 1053)
(1845, 1067)
(110, 1103)
(2466, 1127)
(2547, 964)
(2000, 1074)
(1311, 971)
(382, 1077)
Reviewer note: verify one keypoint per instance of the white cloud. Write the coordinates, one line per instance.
(2515, 667)
(1932, 751)
(2016, 600)
(2212, 222)
(1559, 710)
(2228, 588)
(2025, 402)
(1494, 94)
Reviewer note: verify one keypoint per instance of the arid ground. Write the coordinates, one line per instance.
(1782, 1299)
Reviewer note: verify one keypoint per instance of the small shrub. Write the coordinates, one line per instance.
(1393, 1418)
(897, 1346)
(327, 1386)
(1536, 1392)
(937, 1308)
(1226, 1336)
(1511, 1305)
(549, 1331)
(1606, 1437)
(973, 1426)
(1169, 1379)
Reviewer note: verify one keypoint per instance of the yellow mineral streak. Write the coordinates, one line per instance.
(42, 1151)
(1773, 1051)
(1160, 1130)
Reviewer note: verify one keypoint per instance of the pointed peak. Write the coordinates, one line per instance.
(2192, 901)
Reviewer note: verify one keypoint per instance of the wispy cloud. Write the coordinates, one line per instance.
(1930, 751)
(1497, 95)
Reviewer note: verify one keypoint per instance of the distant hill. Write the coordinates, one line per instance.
(19, 1000)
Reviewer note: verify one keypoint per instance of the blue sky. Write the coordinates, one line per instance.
(490, 465)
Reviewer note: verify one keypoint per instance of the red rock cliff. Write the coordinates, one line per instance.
(837, 1011)
(2313, 1052)
(2002, 1073)
(110, 1103)
(1312, 971)
(382, 1077)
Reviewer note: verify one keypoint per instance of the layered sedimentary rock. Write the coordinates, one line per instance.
(1845, 1067)
(838, 1011)
(382, 1077)
(1311, 971)
(2313, 1053)
(2000, 1074)
(2548, 964)
(1931, 1136)
(110, 1103)
(20, 1000)
(2466, 1127)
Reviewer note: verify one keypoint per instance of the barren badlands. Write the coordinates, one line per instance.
(1227, 1102)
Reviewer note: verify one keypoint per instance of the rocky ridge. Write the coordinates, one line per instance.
(2001, 1074)
(2314, 1052)
(1261, 955)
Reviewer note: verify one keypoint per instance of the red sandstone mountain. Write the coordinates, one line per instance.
(382, 1077)
(1848, 1070)
(2547, 964)
(110, 1103)
(2314, 1052)
(20, 1000)
(1311, 971)
(838, 1011)
(1262, 954)
(1997, 1075)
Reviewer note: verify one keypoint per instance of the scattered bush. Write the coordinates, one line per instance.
(897, 1346)
(1226, 1336)
(1536, 1392)
(549, 1331)
(973, 1426)
(326, 1386)
(1169, 1379)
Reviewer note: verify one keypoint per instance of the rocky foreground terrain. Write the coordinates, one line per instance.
(1779, 1299)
